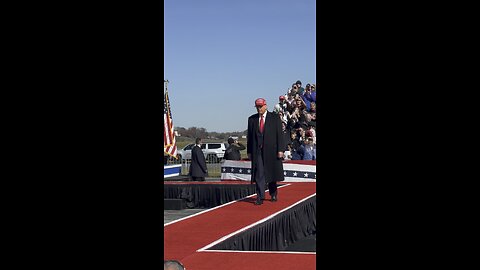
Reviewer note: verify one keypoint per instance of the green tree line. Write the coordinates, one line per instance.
(198, 132)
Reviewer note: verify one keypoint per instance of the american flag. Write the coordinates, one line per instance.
(169, 144)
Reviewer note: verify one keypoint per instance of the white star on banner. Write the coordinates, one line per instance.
(240, 170)
(224, 169)
(249, 171)
(284, 173)
(232, 169)
(295, 174)
(306, 174)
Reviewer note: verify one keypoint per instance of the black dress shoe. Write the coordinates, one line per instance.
(259, 201)
(274, 198)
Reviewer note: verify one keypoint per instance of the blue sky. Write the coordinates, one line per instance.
(220, 55)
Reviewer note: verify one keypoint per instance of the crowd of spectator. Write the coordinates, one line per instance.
(297, 109)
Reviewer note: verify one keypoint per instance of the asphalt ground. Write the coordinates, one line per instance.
(171, 215)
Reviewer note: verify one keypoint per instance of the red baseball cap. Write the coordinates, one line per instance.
(260, 102)
(281, 97)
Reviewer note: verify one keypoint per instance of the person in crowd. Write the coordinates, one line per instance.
(287, 155)
(233, 150)
(198, 169)
(282, 116)
(282, 101)
(295, 146)
(308, 117)
(314, 144)
(277, 108)
(286, 134)
(290, 124)
(294, 90)
(312, 131)
(301, 134)
(308, 153)
(299, 103)
(303, 120)
(308, 87)
(300, 88)
(314, 92)
(294, 116)
(290, 100)
(297, 151)
(265, 148)
(173, 265)
(307, 97)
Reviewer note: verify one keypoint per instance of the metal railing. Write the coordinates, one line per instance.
(214, 165)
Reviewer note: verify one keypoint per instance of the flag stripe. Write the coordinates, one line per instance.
(169, 144)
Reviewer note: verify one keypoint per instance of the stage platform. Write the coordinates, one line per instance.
(237, 233)
(182, 194)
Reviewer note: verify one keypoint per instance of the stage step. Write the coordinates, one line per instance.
(174, 204)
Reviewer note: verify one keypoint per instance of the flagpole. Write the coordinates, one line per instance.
(166, 84)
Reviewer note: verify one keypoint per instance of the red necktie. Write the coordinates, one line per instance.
(261, 124)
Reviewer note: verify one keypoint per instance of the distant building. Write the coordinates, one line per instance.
(244, 137)
(177, 134)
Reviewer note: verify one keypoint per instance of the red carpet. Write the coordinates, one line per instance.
(242, 261)
(184, 238)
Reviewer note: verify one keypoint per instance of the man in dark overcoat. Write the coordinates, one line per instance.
(198, 167)
(265, 147)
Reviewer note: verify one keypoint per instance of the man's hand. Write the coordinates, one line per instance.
(280, 155)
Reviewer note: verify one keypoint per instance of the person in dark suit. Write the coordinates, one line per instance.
(265, 147)
(198, 168)
(233, 150)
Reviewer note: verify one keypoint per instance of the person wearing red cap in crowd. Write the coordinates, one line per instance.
(282, 101)
(265, 147)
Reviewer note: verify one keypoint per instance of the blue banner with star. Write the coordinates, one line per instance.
(241, 170)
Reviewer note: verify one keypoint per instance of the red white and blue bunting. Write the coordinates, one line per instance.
(241, 170)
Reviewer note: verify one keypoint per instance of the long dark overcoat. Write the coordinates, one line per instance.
(198, 168)
(273, 143)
